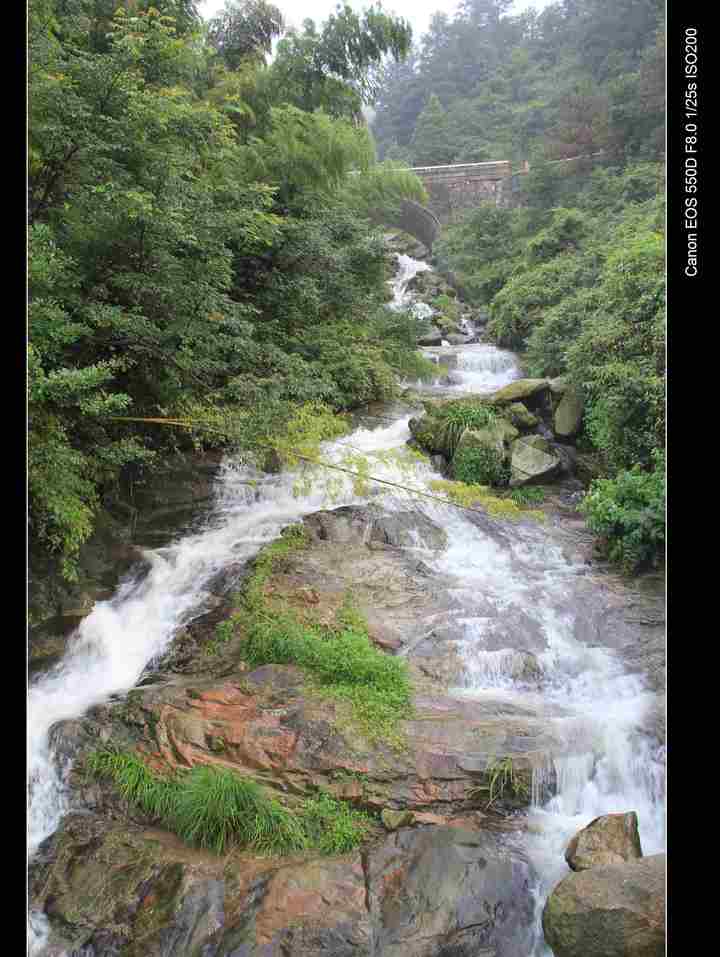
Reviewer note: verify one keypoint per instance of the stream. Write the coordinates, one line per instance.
(516, 591)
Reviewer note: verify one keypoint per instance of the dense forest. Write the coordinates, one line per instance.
(573, 275)
(202, 268)
(198, 253)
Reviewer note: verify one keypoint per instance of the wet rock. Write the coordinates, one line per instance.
(528, 463)
(457, 339)
(448, 891)
(616, 910)
(567, 420)
(357, 524)
(439, 463)
(610, 839)
(558, 385)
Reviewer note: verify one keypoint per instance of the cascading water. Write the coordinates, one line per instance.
(522, 609)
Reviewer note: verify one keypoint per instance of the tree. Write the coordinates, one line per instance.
(430, 144)
(243, 28)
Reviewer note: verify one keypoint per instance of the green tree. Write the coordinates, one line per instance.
(429, 144)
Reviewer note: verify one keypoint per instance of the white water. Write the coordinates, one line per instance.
(515, 592)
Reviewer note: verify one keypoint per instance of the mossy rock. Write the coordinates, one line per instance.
(520, 416)
(520, 390)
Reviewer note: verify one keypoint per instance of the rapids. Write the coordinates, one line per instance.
(515, 593)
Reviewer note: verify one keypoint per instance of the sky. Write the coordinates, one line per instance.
(418, 12)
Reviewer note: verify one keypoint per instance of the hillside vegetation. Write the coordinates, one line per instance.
(573, 276)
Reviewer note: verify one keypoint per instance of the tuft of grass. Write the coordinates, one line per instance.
(154, 794)
(502, 781)
(459, 416)
(217, 809)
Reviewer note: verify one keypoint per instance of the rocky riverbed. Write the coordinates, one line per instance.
(523, 649)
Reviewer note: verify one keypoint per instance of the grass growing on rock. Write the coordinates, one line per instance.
(216, 809)
(344, 663)
(459, 416)
(340, 658)
(499, 506)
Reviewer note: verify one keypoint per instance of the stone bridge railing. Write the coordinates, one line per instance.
(458, 187)
(453, 189)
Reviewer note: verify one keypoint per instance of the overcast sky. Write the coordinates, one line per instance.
(418, 12)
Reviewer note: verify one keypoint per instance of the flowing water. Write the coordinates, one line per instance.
(516, 594)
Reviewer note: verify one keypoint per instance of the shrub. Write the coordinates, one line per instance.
(628, 511)
(481, 465)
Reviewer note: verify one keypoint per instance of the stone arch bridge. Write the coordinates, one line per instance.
(457, 187)
(453, 189)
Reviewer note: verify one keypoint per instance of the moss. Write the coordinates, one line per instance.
(470, 496)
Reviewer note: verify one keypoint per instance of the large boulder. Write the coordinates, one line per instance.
(567, 419)
(610, 839)
(521, 390)
(617, 910)
(529, 464)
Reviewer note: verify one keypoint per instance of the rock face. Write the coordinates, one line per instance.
(610, 839)
(419, 893)
(617, 910)
(529, 463)
(446, 891)
(567, 419)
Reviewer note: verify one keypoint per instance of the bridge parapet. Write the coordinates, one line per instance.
(460, 186)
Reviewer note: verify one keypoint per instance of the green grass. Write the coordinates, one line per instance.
(459, 416)
(527, 495)
(216, 809)
(497, 505)
(344, 663)
(502, 781)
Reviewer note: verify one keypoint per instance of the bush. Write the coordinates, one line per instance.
(481, 465)
(628, 511)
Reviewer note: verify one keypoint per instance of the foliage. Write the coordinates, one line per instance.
(480, 464)
(457, 417)
(332, 826)
(527, 495)
(197, 256)
(217, 809)
(628, 511)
